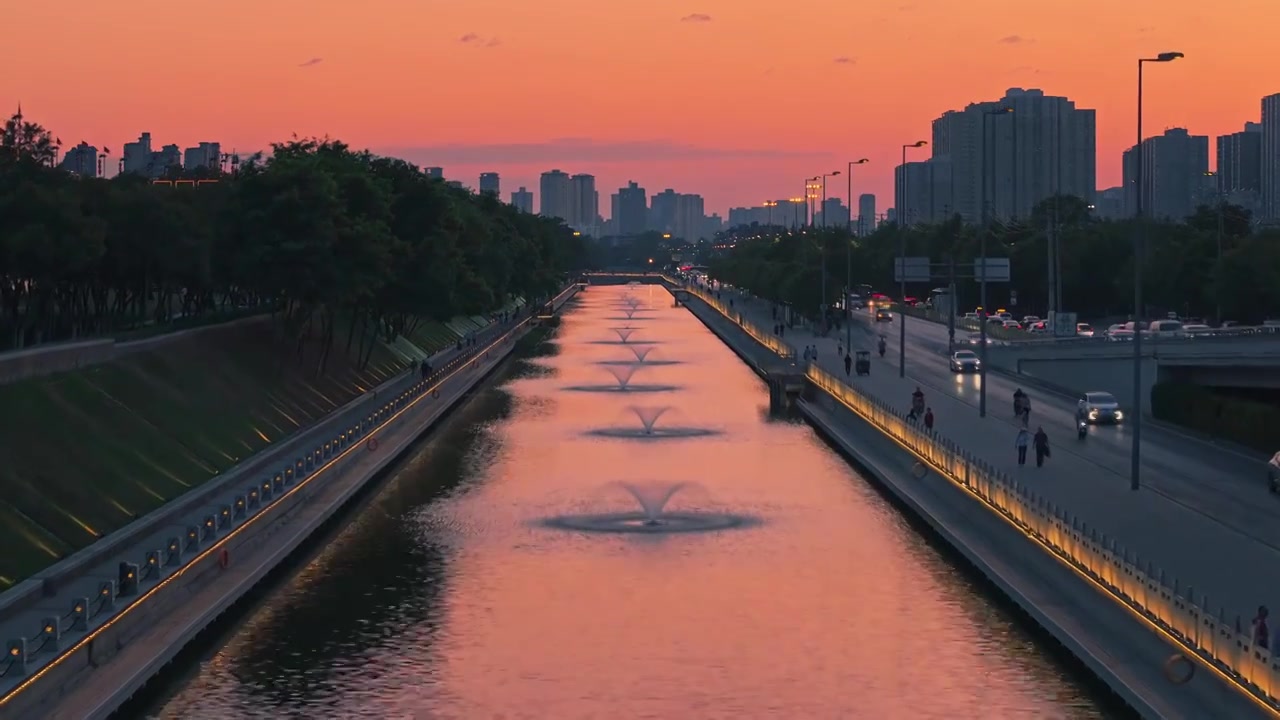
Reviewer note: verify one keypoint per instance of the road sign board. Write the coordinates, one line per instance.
(1062, 323)
(911, 269)
(997, 270)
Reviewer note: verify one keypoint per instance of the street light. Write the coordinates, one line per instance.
(1221, 198)
(822, 244)
(771, 204)
(902, 260)
(1135, 471)
(982, 258)
(848, 250)
(809, 187)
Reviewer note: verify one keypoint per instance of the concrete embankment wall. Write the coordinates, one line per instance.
(1116, 644)
(96, 672)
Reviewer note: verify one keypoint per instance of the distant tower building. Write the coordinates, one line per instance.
(205, 155)
(662, 211)
(1174, 169)
(489, 184)
(137, 155)
(866, 214)
(435, 173)
(690, 224)
(455, 184)
(170, 156)
(522, 200)
(1270, 166)
(629, 215)
(556, 196)
(81, 160)
(585, 202)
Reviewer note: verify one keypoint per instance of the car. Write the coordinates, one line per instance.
(1198, 330)
(1084, 330)
(884, 316)
(965, 361)
(1101, 407)
(1012, 325)
(1029, 320)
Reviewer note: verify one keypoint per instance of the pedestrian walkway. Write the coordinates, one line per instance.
(1205, 560)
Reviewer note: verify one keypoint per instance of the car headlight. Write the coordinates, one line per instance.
(1119, 415)
(1093, 414)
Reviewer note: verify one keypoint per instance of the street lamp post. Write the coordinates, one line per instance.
(1135, 470)
(1221, 198)
(982, 259)
(771, 204)
(902, 260)
(822, 243)
(848, 257)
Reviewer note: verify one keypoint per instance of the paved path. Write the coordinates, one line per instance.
(1203, 518)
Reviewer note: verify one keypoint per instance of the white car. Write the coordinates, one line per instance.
(1084, 330)
(1196, 330)
(1101, 407)
(965, 361)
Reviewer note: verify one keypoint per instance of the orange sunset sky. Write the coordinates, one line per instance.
(738, 100)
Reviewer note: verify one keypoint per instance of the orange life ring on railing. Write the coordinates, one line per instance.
(224, 559)
(371, 444)
(1179, 669)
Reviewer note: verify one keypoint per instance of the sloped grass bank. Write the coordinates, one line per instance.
(84, 453)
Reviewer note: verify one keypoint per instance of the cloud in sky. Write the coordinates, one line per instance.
(568, 151)
(312, 62)
(696, 18)
(1014, 40)
(475, 40)
(844, 60)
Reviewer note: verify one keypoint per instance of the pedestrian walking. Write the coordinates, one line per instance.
(1021, 442)
(848, 364)
(1041, 441)
(928, 418)
(1261, 633)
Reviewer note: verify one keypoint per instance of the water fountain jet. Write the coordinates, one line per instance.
(653, 517)
(649, 428)
(624, 334)
(641, 353)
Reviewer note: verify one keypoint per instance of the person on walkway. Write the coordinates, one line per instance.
(839, 348)
(928, 418)
(848, 364)
(881, 346)
(1261, 633)
(1041, 442)
(1018, 397)
(1021, 442)
(806, 353)
(1026, 410)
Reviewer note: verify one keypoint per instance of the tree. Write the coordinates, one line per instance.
(326, 237)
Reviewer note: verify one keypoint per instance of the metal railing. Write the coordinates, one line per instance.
(208, 532)
(1174, 609)
(1021, 338)
(759, 334)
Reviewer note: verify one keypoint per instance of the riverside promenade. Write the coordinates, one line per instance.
(1200, 557)
(102, 663)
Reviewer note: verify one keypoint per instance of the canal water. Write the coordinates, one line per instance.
(462, 590)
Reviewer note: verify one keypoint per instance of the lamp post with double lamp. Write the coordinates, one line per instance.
(848, 256)
(822, 242)
(771, 204)
(1135, 469)
(902, 259)
(809, 187)
(1221, 198)
(987, 151)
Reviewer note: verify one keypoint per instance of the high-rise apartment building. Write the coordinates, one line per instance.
(1239, 176)
(786, 212)
(1269, 182)
(924, 195)
(435, 173)
(1175, 169)
(690, 218)
(585, 203)
(205, 155)
(1007, 162)
(866, 214)
(630, 212)
(81, 160)
(490, 184)
(137, 155)
(833, 214)
(522, 200)
(555, 198)
(662, 211)
(170, 156)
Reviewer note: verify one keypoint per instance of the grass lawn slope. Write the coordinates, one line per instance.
(86, 452)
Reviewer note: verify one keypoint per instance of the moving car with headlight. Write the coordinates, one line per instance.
(965, 361)
(1101, 407)
(883, 315)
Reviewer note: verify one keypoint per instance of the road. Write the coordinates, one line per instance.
(1204, 515)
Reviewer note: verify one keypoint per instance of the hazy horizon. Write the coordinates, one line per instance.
(716, 98)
